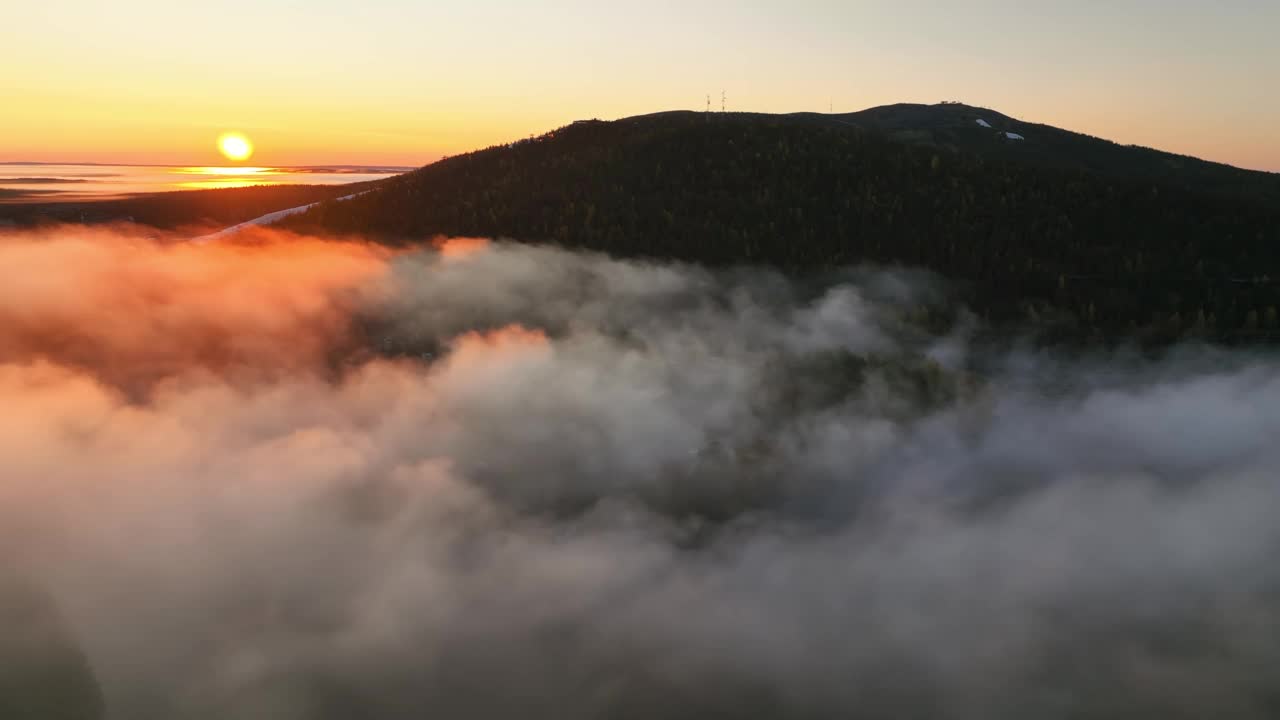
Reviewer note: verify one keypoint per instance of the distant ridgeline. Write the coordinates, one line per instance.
(1079, 237)
(176, 209)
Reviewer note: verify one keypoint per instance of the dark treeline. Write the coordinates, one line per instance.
(1078, 254)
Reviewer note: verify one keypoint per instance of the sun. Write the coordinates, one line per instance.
(235, 146)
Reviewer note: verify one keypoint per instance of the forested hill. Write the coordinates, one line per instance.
(1108, 247)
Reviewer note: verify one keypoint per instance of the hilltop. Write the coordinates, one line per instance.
(965, 127)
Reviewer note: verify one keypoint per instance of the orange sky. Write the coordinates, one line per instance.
(400, 82)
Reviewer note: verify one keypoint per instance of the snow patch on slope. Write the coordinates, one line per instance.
(1014, 136)
(984, 123)
(267, 219)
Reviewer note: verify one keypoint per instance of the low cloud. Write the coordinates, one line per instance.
(293, 477)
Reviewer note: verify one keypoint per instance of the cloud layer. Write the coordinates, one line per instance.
(298, 478)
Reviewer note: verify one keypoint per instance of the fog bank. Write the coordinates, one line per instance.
(312, 478)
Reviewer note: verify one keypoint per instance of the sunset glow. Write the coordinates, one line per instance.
(215, 183)
(221, 176)
(223, 170)
(339, 86)
(234, 146)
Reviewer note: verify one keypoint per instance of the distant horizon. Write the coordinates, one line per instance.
(44, 182)
(313, 166)
(411, 165)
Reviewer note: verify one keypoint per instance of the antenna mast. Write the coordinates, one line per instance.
(722, 101)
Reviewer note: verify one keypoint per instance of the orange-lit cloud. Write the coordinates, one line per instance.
(508, 337)
(454, 248)
(136, 308)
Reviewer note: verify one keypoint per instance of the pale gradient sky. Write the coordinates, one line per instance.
(395, 81)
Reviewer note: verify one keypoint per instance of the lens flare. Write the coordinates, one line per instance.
(235, 146)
